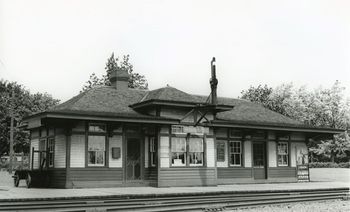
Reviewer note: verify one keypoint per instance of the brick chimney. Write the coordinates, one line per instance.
(119, 79)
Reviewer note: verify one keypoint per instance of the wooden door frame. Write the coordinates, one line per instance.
(142, 155)
(265, 158)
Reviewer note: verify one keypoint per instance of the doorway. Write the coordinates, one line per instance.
(259, 160)
(133, 159)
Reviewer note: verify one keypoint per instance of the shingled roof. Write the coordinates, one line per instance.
(103, 100)
(110, 102)
(169, 93)
(248, 112)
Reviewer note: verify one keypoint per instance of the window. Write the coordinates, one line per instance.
(235, 153)
(42, 154)
(195, 151)
(50, 149)
(94, 127)
(178, 151)
(96, 150)
(220, 151)
(236, 133)
(187, 151)
(282, 151)
(152, 151)
(177, 129)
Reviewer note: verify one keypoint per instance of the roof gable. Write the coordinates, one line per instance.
(169, 93)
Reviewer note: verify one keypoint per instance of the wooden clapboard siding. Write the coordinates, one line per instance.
(164, 151)
(98, 173)
(94, 177)
(281, 172)
(115, 141)
(259, 173)
(57, 178)
(34, 143)
(272, 152)
(189, 176)
(151, 175)
(60, 151)
(247, 153)
(210, 158)
(146, 151)
(77, 151)
(234, 172)
(292, 152)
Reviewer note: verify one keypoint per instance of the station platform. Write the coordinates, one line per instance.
(8, 193)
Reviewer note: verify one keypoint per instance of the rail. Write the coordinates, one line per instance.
(215, 201)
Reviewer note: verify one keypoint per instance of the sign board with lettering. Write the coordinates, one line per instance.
(303, 173)
(182, 129)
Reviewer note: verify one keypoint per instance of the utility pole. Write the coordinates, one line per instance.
(11, 130)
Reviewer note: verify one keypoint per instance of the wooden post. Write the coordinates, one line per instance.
(68, 134)
(11, 131)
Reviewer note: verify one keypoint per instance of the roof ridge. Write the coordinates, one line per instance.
(144, 97)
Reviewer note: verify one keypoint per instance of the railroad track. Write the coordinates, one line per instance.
(214, 201)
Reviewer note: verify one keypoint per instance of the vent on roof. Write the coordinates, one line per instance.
(119, 79)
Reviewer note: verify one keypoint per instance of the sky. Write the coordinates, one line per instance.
(54, 46)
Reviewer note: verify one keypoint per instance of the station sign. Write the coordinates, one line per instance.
(195, 130)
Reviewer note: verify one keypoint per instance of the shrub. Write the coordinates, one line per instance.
(329, 165)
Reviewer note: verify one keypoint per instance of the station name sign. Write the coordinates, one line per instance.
(182, 129)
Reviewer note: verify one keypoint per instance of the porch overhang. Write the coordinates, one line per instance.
(276, 127)
(153, 103)
(38, 120)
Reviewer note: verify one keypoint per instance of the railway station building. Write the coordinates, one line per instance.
(117, 136)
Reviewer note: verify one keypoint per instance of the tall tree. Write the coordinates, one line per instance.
(136, 80)
(326, 107)
(24, 104)
(273, 99)
(260, 94)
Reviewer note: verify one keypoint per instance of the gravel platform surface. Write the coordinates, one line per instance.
(319, 206)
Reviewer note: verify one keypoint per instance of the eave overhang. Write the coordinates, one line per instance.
(99, 117)
(277, 127)
(153, 103)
